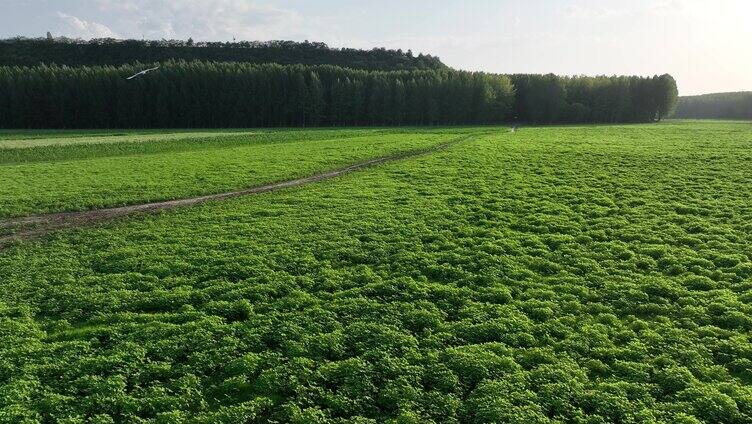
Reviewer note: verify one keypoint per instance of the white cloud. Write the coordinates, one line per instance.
(73, 26)
(591, 12)
(683, 7)
(114, 6)
(657, 8)
(211, 20)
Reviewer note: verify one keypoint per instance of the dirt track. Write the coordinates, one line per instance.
(28, 227)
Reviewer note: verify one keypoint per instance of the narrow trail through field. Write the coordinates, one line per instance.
(29, 227)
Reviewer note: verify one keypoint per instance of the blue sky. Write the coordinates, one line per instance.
(705, 44)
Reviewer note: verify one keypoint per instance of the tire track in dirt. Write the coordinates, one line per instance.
(29, 227)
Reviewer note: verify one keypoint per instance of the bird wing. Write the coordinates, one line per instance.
(142, 72)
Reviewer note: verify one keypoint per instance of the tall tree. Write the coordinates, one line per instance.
(667, 95)
(225, 94)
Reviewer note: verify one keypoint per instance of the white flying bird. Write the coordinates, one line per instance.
(143, 72)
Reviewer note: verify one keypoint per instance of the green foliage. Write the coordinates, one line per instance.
(110, 52)
(220, 95)
(511, 278)
(78, 171)
(715, 106)
(550, 98)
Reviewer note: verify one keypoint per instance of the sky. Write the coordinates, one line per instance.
(705, 44)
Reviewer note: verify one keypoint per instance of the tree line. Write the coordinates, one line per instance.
(716, 106)
(107, 51)
(602, 99)
(209, 95)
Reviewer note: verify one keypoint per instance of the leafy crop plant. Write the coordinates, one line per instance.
(559, 274)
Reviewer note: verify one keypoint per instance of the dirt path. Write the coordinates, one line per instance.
(29, 227)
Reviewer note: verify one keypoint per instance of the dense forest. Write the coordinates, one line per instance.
(716, 106)
(551, 98)
(65, 51)
(204, 94)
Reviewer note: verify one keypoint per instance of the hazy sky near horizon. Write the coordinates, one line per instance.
(705, 44)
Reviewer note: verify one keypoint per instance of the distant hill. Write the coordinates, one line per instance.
(99, 52)
(736, 105)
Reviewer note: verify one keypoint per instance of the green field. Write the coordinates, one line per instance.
(587, 274)
(77, 171)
